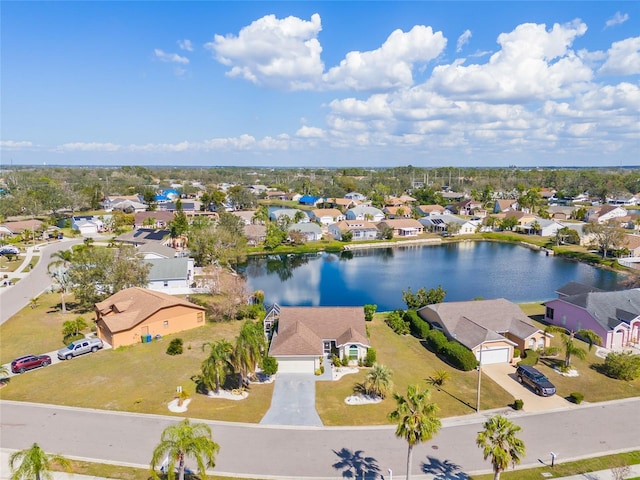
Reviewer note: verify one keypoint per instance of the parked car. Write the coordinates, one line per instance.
(28, 362)
(9, 250)
(536, 380)
(84, 345)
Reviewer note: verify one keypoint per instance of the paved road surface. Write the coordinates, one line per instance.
(321, 452)
(33, 283)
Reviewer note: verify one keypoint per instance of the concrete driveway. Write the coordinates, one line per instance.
(504, 375)
(293, 401)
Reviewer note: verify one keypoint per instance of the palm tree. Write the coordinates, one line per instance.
(416, 417)
(378, 382)
(499, 442)
(250, 346)
(183, 440)
(217, 365)
(34, 464)
(73, 327)
(570, 349)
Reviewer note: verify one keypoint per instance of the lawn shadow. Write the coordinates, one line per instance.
(443, 470)
(355, 465)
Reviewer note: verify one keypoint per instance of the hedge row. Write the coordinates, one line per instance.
(457, 354)
(418, 327)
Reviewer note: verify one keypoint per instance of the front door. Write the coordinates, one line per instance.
(326, 347)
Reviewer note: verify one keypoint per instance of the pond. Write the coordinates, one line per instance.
(466, 271)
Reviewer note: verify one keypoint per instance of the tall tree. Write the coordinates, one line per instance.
(568, 337)
(499, 443)
(183, 440)
(35, 464)
(217, 365)
(59, 271)
(249, 349)
(416, 417)
(606, 236)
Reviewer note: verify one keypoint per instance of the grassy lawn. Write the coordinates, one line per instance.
(143, 378)
(569, 468)
(411, 363)
(138, 378)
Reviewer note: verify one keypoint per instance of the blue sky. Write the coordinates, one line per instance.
(321, 83)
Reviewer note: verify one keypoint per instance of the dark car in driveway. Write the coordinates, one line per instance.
(28, 362)
(536, 380)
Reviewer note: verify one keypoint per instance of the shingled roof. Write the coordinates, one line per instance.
(301, 330)
(609, 309)
(129, 307)
(472, 323)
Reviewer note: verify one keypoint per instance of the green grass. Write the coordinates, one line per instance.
(143, 378)
(569, 468)
(411, 363)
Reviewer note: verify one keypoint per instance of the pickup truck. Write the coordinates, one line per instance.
(84, 345)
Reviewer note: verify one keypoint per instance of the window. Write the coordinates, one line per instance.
(549, 313)
(166, 323)
(353, 352)
(532, 343)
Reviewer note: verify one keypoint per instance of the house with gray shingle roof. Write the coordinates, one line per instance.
(305, 335)
(615, 316)
(167, 274)
(494, 326)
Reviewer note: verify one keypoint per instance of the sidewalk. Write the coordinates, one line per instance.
(5, 473)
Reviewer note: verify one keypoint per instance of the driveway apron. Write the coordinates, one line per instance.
(293, 401)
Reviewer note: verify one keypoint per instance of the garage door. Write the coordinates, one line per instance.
(295, 366)
(494, 355)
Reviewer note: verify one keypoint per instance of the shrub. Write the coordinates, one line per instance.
(436, 340)
(518, 404)
(369, 312)
(418, 327)
(335, 360)
(175, 347)
(396, 321)
(548, 351)
(370, 359)
(530, 357)
(345, 361)
(460, 356)
(622, 365)
(576, 398)
(72, 338)
(516, 352)
(269, 365)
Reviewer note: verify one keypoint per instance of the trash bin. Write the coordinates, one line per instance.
(158, 337)
(149, 338)
(143, 338)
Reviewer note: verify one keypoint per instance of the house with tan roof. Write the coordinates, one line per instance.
(431, 210)
(360, 230)
(131, 315)
(605, 213)
(327, 216)
(155, 219)
(397, 212)
(9, 229)
(403, 227)
(306, 335)
(494, 327)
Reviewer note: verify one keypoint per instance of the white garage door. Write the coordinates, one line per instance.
(295, 366)
(494, 355)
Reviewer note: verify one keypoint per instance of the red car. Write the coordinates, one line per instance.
(22, 364)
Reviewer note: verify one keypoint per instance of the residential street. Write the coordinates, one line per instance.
(33, 283)
(322, 452)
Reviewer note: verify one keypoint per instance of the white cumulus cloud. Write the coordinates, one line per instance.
(623, 58)
(463, 40)
(617, 19)
(90, 147)
(533, 63)
(12, 144)
(282, 53)
(185, 45)
(170, 57)
(389, 66)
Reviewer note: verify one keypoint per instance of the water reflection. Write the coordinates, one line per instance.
(465, 270)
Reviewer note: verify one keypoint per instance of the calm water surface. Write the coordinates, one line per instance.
(466, 270)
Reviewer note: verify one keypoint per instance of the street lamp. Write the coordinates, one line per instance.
(479, 379)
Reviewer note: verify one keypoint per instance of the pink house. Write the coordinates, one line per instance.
(615, 316)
